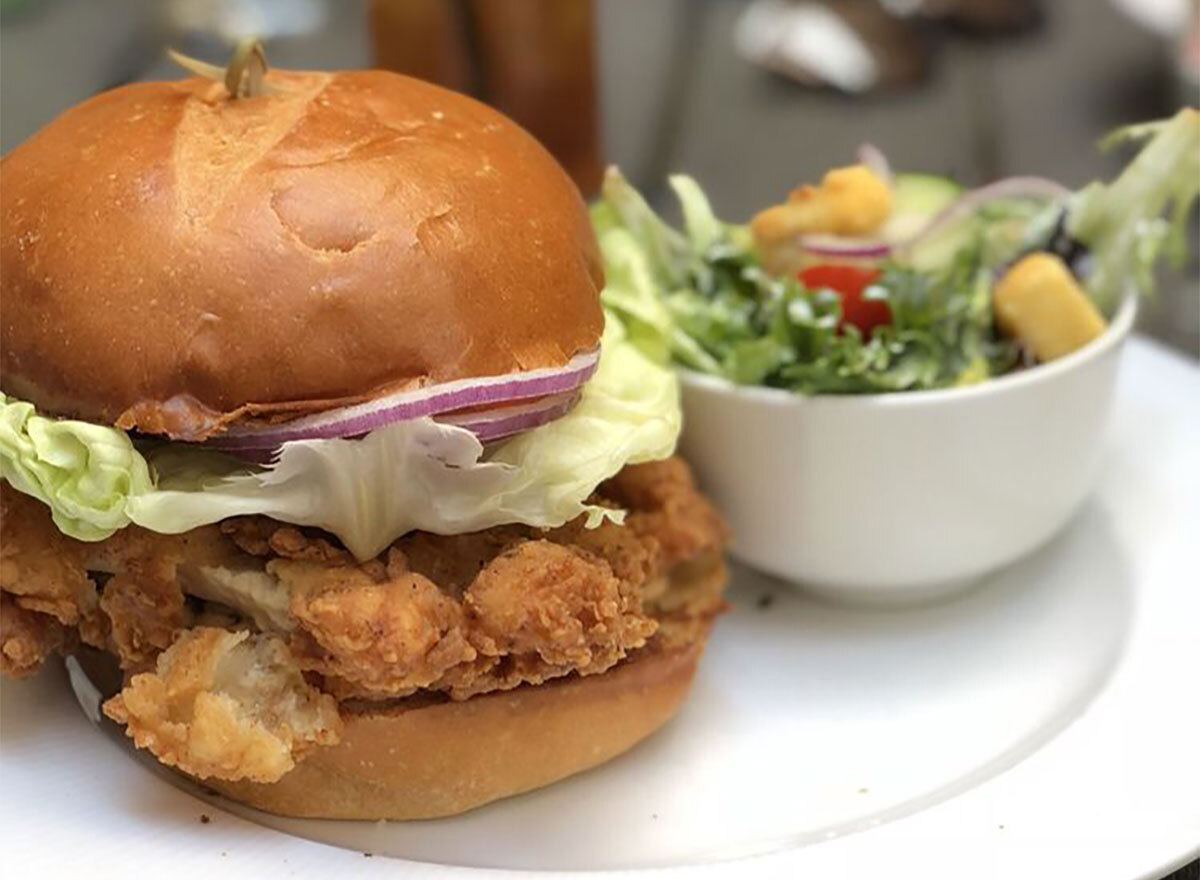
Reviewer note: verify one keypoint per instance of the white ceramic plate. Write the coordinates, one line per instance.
(1046, 724)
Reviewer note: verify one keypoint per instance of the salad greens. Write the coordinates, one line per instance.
(1122, 222)
(701, 297)
(415, 474)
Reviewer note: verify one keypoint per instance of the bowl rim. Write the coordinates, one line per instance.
(1118, 328)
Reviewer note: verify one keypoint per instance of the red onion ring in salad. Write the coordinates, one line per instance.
(838, 247)
(362, 418)
(970, 202)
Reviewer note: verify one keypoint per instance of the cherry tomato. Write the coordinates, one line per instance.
(850, 281)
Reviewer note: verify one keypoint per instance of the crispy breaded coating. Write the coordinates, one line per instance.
(632, 557)
(123, 594)
(252, 534)
(462, 614)
(453, 561)
(39, 566)
(665, 504)
(144, 599)
(229, 705)
(260, 536)
(563, 604)
(694, 587)
(536, 611)
(145, 609)
(374, 635)
(27, 638)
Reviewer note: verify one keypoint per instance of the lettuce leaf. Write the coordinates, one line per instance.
(665, 249)
(410, 475)
(84, 472)
(702, 227)
(643, 256)
(1122, 222)
(630, 291)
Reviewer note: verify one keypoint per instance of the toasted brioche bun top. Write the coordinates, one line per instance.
(173, 259)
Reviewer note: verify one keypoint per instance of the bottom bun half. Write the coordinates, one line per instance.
(421, 760)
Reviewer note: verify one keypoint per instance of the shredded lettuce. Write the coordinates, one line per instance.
(410, 475)
(1122, 222)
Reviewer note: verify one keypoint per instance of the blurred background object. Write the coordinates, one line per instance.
(229, 20)
(972, 88)
(1177, 22)
(979, 17)
(1165, 17)
(850, 46)
(532, 59)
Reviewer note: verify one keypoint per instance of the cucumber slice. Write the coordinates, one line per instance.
(939, 250)
(916, 199)
(924, 194)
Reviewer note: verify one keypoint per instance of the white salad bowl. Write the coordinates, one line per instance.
(902, 496)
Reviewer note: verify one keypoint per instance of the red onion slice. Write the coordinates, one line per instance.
(496, 424)
(836, 246)
(351, 421)
(970, 202)
(840, 247)
(487, 425)
(870, 155)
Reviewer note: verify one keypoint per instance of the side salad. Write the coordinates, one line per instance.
(877, 282)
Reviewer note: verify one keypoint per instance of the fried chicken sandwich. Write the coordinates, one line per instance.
(312, 421)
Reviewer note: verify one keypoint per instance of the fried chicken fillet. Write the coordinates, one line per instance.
(243, 643)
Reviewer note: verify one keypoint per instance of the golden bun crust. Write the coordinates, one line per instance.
(174, 260)
(413, 761)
